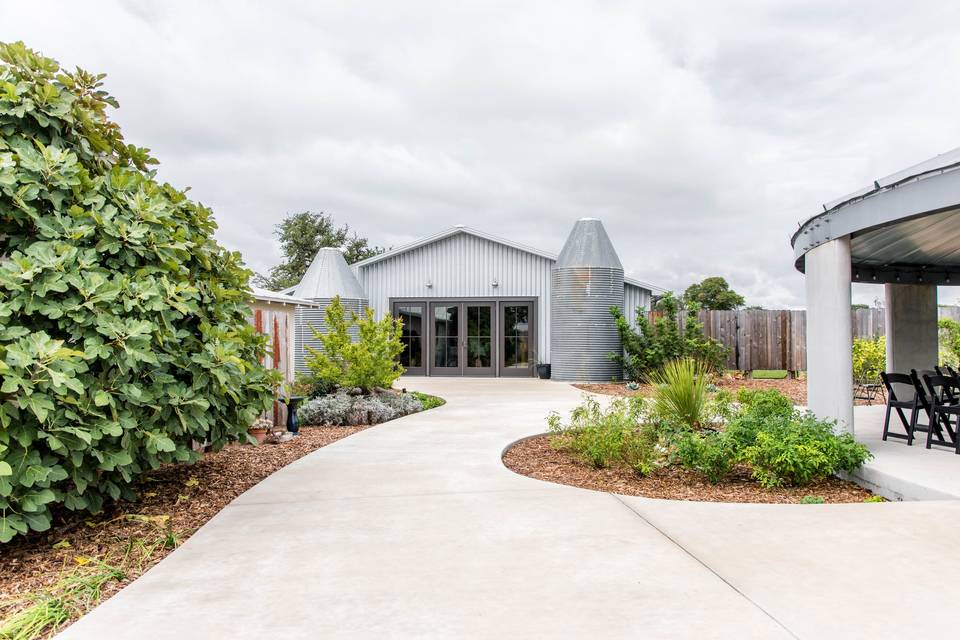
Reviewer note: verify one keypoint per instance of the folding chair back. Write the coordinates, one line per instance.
(945, 392)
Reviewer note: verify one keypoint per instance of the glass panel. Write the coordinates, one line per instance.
(516, 336)
(411, 337)
(479, 336)
(446, 330)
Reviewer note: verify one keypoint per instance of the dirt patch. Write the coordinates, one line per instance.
(536, 458)
(188, 494)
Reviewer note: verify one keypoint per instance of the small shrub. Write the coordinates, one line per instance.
(764, 403)
(372, 410)
(812, 500)
(333, 409)
(681, 392)
(869, 358)
(710, 454)
(593, 434)
(949, 335)
(639, 450)
(875, 499)
(369, 363)
(799, 450)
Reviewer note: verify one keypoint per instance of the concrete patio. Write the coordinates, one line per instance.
(899, 472)
(415, 528)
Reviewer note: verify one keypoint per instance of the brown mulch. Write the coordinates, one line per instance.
(536, 458)
(189, 494)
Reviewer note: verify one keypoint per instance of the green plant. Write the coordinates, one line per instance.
(711, 454)
(652, 344)
(428, 401)
(800, 449)
(758, 409)
(368, 363)
(123, 331)
(812, 500)
(606, 437)
(681, 392)
(869, 358)
(949, 334)
(875, 499)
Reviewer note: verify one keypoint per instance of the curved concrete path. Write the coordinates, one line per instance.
(415, 529)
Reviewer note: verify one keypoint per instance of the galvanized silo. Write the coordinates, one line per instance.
(586, 281)
(327, 277)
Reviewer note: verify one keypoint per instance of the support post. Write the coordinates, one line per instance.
(910, 319)
(830, 333)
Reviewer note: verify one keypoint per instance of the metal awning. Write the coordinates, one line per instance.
(903, 229)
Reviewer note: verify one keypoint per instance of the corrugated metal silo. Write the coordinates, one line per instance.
(586, 281)
(329, 276)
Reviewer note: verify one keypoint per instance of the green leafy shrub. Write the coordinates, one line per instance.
(652, 344)
(812, 500)
(606, 437)
(681, 392)
(123, 331)
(949, 335)
(368, 363)
(799, 450)
(869, 358)
(875, 499)
(710, 454)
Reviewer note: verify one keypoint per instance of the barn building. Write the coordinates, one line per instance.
(474, 304)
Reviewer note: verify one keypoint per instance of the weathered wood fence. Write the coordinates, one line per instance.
(777, 339)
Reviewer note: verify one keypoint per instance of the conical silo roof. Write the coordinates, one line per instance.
(588, 246)
(329, 276)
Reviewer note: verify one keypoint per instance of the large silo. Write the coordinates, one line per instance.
(586, 281)
(329, 276)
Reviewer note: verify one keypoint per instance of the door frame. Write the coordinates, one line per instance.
(498, 302)
(466, 369)
(432, 369)
(530, 371)
(424, 318)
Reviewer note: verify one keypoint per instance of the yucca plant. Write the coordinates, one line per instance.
(681, 392)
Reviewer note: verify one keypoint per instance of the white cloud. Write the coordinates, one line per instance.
(700, 132)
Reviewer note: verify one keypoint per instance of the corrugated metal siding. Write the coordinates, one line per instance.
(463, 266)
(307, 316)
(584, 331)
(634, 298)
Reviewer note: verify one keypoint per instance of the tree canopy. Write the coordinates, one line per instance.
(123, 331)
(301, 235)
(713, 293)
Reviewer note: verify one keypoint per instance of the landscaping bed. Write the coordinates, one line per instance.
(534, 457)
(130, 537)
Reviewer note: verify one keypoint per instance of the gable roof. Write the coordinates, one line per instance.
(463, 229)
(329, 276)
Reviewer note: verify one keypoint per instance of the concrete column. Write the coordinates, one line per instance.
(829, 333)
(911, 326)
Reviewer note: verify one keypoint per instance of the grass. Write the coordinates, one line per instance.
(428, 401)
(769, 374)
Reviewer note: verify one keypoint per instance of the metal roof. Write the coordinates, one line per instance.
(460, 228)
(588, 245)
(905, 228)
(266, 295)
(329, 276)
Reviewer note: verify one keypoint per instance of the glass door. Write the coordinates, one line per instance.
(478, 356)
(517, 339)
(412, 336)
(445, 324)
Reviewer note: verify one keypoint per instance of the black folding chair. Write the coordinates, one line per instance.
(945, 412)
(917, 403)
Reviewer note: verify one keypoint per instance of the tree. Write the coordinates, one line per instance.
(713, 293)
(301, 235)
(123, 332)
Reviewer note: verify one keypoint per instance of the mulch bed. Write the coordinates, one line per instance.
(189, 494)
(535, 457)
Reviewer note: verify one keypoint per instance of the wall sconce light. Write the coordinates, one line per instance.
(495, 283)
(429, 284)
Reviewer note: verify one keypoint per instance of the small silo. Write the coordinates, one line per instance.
(586, 281)
(329, 276)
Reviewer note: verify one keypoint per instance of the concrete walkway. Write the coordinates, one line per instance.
(415, 529)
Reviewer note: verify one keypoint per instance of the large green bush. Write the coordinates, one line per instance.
(949, 335)
(369, 362)
(123, 333)
(652, 345)
(869, 358)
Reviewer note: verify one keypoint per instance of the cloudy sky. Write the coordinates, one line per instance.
(700, 135)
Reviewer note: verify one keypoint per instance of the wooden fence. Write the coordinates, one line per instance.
(777, 339)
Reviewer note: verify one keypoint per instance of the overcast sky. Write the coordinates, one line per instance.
(701, 136)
